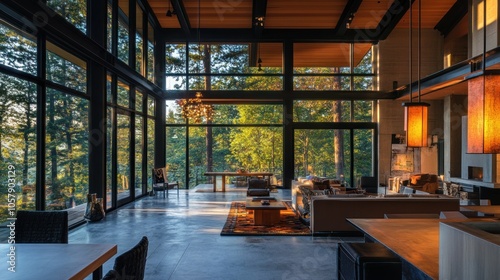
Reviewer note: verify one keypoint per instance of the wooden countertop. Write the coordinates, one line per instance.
(414, 240)
(485, 209)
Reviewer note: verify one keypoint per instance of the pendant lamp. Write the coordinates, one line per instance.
(483, 120)
(416, 112)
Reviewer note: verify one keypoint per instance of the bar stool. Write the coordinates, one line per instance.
(367, 261)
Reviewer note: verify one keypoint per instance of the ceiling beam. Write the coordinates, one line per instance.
(392, 17)
(347, 16)
(272, 35)
(259, 8)
(452, 17)
(182, 17)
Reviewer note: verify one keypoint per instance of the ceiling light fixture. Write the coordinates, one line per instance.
(193, 108)
(259, 21)
(416, 112)
(483, 96)
(170, 12)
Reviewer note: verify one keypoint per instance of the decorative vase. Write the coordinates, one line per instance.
(95, 208)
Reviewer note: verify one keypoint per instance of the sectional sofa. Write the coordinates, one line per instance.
(329, 213)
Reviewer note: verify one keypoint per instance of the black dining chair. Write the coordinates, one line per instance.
(131, 264)
(41, 226)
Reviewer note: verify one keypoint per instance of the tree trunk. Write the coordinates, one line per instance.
(338, 136)
(52, 139)
(69, 142)
(26, 142)
(338, 140)
(208, 86)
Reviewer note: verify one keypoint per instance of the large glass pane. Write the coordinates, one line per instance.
(123, 31)
(175, 56)
(123, 93)
(139, 41)
(151, 105)
(363, 111)
(109, 27)
(67, 150)
(151, 53)
(139, 101)
(321, 111)
(150, 140)
(363, 153)
(365, 65)
(109, 156)
(321, 83)
(17, 49)
(123, 156)
(74, 11)
(66, 69)
(233, 114)
(109, 88)
(237, 83)
(323, 153)
(252, 148)
(176, 156)
(18, 147)
(139, 156)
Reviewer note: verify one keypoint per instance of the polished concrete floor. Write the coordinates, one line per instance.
(185, 241)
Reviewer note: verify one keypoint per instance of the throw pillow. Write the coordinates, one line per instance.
(307, 193)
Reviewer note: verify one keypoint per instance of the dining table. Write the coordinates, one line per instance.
(224, 174)
(53, 261)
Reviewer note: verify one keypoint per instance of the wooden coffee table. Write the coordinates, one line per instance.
(265, 215)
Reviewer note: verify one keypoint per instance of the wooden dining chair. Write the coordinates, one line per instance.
(41, 226)
(131, 264)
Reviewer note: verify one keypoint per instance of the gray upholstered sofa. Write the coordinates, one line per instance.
(329, 214)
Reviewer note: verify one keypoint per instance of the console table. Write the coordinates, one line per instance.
(228, 173)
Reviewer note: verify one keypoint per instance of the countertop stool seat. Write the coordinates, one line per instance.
(367, 261)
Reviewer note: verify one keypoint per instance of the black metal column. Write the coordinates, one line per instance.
(97, 109)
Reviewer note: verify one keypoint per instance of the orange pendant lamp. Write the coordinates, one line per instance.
(416, 113)
(416, 124)
(483, 120)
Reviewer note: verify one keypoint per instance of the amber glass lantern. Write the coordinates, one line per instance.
(416, 124)
(483, 120)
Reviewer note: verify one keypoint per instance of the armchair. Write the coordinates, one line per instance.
(161, 183)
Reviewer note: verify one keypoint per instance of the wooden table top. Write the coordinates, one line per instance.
(54, 261)
(257, 205)
(232, 173)
(414, 240)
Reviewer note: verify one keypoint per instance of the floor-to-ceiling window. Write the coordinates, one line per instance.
(333, 136)
(51, 112)
(18, 121)
(238, 136)
(67, 116)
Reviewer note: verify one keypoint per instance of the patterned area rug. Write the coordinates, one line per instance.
(239, 222)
